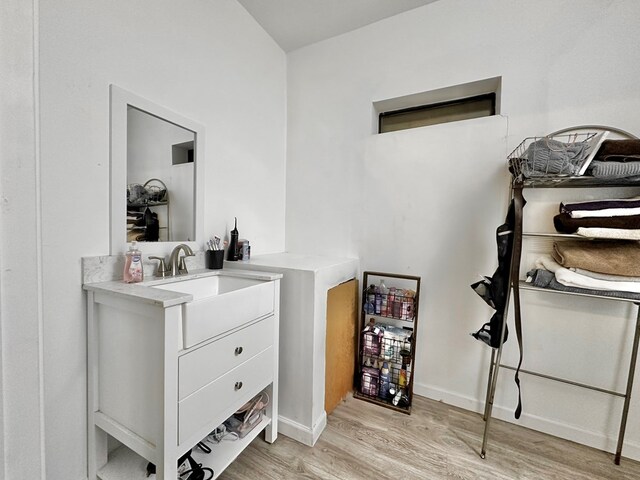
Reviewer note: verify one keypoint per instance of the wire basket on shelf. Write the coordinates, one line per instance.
(370, 381)
(157, 190)
(153, 191)
(398, 303)
(554, 156)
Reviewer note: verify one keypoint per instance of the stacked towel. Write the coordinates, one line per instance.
(610, 219)
(614, 258)
(549, 274)
(570, 278)
(611, 233)
(605, 276)
(618, 151)
(597, 266)
(596, 205)
(613, 170)
(565, 223)
(546, 279)
(616, 159)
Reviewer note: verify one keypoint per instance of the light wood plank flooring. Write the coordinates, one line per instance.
(364, 441)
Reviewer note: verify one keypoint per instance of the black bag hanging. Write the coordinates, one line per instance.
(493, 290)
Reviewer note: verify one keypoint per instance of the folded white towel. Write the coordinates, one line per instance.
(604, 276)
(606, 212)
(614, 233)
(572, 279)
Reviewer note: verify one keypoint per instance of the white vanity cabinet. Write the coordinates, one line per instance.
(156, 396)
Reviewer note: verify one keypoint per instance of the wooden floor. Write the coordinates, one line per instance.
(364, 441)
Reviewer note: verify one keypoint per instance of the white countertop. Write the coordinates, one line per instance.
(165, 298)
(295, 261)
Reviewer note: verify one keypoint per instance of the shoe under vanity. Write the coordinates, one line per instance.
(170, 360)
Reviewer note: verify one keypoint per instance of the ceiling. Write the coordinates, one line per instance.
(296, 23)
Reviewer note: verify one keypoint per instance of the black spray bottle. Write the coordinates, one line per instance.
(232, 251)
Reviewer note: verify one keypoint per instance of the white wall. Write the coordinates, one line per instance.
(21, 395)
(231, 79)
(427, 201)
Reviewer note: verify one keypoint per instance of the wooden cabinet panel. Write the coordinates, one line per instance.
(342, 314)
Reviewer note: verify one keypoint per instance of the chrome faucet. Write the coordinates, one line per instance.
(162, 270)
(177, 264)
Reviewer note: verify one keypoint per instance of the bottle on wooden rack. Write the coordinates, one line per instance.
(370, 303)
(402, 376)
(385, 380)
(372, 339)
(391, 302)
(370, 380)
(384, 303)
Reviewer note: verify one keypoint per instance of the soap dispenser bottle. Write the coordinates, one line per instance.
(133, 265)
(232, 252)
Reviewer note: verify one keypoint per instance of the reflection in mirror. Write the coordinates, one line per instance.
(156, 176)
(160, 179)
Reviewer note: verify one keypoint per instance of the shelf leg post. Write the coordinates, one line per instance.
(493, 381)
(518, 203)
(486, 401)
(627, 396)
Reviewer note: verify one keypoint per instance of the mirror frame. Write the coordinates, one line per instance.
(120, 99)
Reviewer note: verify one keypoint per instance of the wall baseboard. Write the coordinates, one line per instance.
(302, 433)
(596, 440)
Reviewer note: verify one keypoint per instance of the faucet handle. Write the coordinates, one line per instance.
(162, 269)
(182, 266)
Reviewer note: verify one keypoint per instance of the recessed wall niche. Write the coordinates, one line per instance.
(182, 153)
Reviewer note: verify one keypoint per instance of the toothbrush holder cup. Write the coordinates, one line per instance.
(214, 259)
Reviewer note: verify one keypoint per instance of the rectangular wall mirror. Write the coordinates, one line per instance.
(156, 175)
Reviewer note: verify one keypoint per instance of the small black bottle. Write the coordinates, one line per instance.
(232, 251)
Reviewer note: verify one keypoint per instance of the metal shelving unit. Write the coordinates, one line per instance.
(516, 285)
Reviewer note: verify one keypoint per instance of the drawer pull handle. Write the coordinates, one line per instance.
(238, 385)
(238, 350)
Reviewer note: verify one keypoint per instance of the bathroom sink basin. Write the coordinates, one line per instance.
(205, 287)
(220, 303)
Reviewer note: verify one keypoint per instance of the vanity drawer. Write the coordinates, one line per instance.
(202, 366)
(230, 391)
